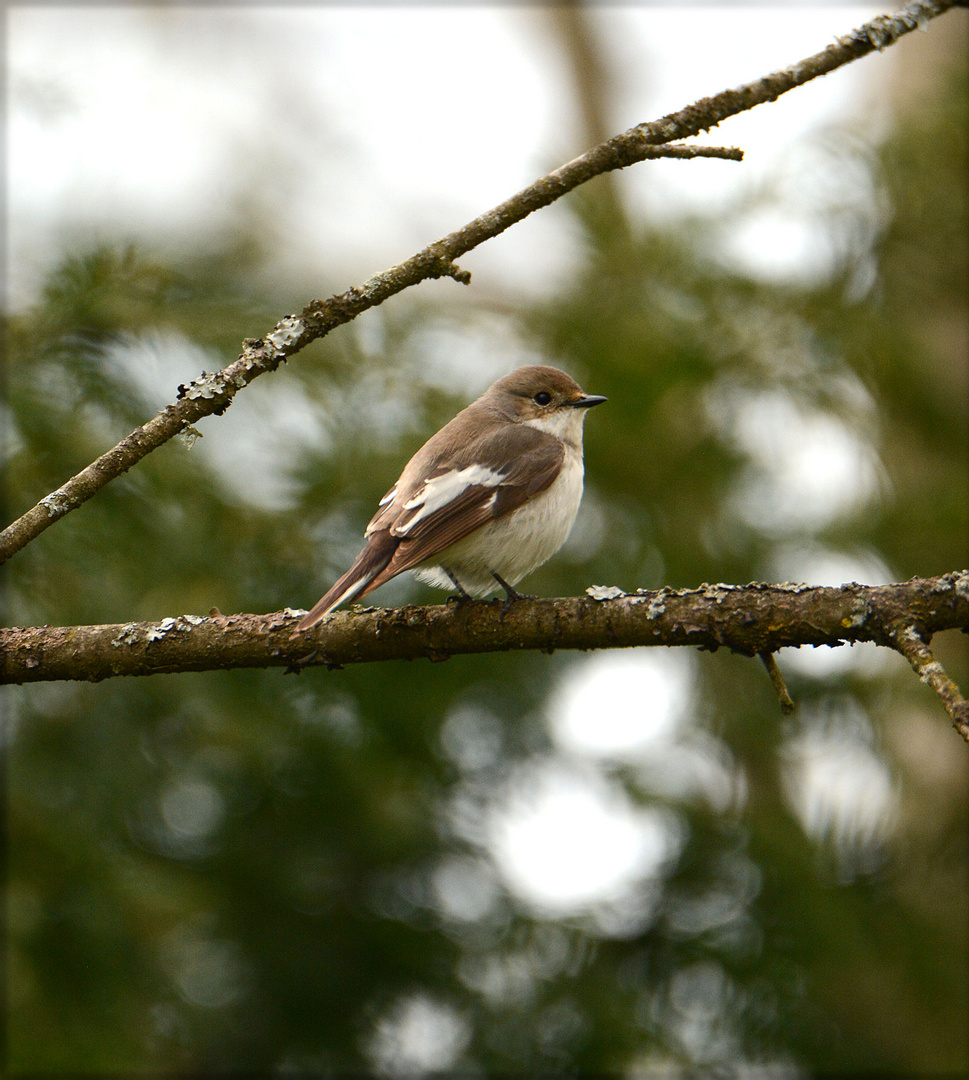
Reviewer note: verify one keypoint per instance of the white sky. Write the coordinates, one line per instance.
(362, 133)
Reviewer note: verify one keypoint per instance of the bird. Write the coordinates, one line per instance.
(484, 502)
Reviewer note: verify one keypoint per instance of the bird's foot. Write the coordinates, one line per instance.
(463, 596)
(511, 594)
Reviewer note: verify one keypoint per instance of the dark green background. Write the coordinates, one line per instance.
(285, 934)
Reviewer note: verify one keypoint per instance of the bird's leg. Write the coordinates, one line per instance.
(511, 594)
(463, 595)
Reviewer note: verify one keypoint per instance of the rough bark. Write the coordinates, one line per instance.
(749, 619)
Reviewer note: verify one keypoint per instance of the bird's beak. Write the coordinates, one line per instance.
(587, 401)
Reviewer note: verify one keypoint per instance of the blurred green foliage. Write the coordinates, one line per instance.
(242, 870)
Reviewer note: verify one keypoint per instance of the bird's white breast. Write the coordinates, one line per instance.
(518, 543)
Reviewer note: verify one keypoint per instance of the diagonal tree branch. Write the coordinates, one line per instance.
(911, 643)
(754, 619)
(211, 394)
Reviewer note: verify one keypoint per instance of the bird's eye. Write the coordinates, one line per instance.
(542, 397)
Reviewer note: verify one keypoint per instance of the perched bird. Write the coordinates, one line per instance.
(486, 500)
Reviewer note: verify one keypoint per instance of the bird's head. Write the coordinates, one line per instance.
(543, 397)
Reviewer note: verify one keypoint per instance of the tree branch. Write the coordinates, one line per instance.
(751, 619)
(777, 682)
(212, 394)
(910, 643)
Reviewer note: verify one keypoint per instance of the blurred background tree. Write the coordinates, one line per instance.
(601, 863)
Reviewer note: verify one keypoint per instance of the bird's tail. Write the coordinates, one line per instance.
(358, 580)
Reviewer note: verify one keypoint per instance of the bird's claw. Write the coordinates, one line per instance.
(511, 593)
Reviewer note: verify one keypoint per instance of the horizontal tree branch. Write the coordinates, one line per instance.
(211, 394)
(754, 619)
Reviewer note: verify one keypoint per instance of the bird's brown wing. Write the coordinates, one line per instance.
(442, 497)
(485, 480)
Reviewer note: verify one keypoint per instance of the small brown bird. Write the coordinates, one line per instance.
(486, 500)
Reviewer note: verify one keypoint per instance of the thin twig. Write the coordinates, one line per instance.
(777, 681)
(212, 394)
(907, 640)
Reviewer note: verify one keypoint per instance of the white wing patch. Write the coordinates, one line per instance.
(389, 497)
(436, 493)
